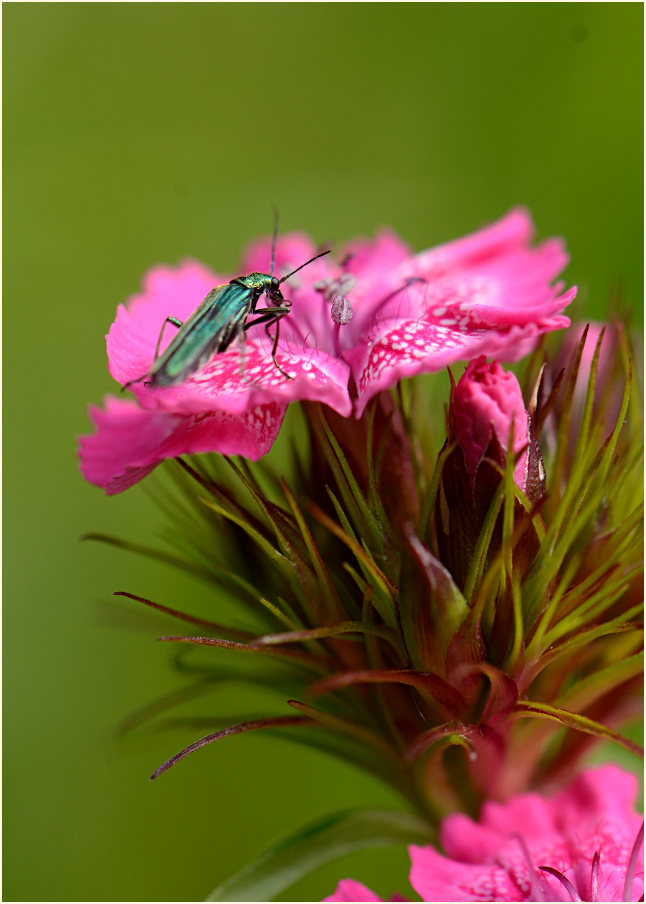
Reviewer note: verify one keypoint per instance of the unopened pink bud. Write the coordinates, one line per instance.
(486, 401)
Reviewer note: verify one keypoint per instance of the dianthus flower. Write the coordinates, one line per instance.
(357, 326)
(582, 844)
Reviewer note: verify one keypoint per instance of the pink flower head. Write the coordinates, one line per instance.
(581, 844)
(486, 402)
(356, 326)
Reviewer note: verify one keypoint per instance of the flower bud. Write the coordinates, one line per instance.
(486, 412)
(487, 404)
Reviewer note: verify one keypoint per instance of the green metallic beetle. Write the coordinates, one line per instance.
(219, 319)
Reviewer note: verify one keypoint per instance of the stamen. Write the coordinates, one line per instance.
(630, 870)
(565, 882)
(341, 310)
(595, 876)
(535, 891)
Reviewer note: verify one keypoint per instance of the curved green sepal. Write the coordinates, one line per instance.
(318, 843)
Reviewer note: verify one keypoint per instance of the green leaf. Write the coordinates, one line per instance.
(299, 656)
(338, 630)
(450, 734)
(354, 499)
(151, 552)
(434, 611)
(575, 721)
(254, 725)
(184, 616)
(333, 607)
(386, 592)
(599, 684)
(619, 625)
(431, 686)
(316, 844)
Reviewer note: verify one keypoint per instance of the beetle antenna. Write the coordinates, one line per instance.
(315, 258)
(274, 239)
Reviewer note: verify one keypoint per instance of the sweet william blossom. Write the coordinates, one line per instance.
(584, 843)
(490, 293)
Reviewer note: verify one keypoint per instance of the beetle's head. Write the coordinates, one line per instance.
(273, 291)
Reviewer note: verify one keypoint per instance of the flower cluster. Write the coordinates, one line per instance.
(451, 602)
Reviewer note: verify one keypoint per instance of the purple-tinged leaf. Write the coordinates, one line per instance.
(348, 627)
(347, 727)
(447, 735)
(184, 616)
(277, 722)
(435, 610)
(576, 721)
(287, 653)
(431, 686)
(503, 691)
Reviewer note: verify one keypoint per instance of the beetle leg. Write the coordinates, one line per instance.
(242, 351)
(269, 316)
(175, 322)
(275, 345)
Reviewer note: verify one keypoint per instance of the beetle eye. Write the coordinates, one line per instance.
(275, 282)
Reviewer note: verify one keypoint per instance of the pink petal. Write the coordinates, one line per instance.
(129, 442)
(349, 890)
(606, 789)
(514, 230)
(242, 378)
(485, 859)
(167, 292)
(489, 293)
(438, 878)
(404, 348)
(374, 259)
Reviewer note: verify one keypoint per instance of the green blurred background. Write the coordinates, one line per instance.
(144, 133)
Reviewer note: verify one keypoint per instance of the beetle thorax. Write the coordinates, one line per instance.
(260, 283)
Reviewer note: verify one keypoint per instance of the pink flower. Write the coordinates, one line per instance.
(581, 844)
(355, 328)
